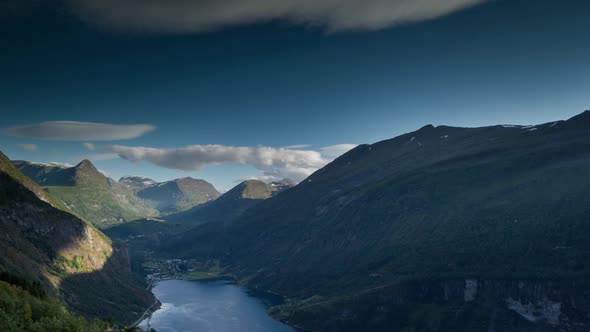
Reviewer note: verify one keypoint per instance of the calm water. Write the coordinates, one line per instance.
(216, 306)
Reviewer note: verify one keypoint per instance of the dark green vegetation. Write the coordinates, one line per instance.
(21, 311)
(43, 243)
(397, 233)
(24, 307)
(106, 203)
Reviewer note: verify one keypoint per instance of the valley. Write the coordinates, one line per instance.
(294, 165)
(408, 232)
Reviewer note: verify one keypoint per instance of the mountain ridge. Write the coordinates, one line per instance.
(105, 202)
(440, 203)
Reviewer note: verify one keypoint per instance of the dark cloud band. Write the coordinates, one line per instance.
(79, 131)
(176, 16)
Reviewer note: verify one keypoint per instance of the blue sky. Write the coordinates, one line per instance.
(272, 82)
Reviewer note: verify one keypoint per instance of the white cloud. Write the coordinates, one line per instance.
(89, 146)
(28, 147)
(263, 178)
(181, 16)
(275, 163)
(79, 131)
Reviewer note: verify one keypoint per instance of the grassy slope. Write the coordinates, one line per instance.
(96, 205)
(90, 195)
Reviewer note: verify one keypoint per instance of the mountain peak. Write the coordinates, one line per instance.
(85, 172)
(427, 127)
(256, 189)
(185, 179)
(85, 164)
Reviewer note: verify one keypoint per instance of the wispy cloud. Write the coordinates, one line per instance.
(89, 146)
(297, 146)
(337, 150)
(28, 147)
(181, 16)
(79, 131)
(275, 163)
(101, 156)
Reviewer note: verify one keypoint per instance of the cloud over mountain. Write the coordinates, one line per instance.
(79, 131)
(274, 162)
(179, 16)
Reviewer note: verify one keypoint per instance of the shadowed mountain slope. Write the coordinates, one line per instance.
(504, 203)
(223, 210)
(69, 257)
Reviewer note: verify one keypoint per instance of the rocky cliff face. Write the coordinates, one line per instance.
(452, 305)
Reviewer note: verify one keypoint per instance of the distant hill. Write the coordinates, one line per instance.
(43, 243)
(223, 210)
(441, 229)
(176, 195)
(234, 202)
(87, 192)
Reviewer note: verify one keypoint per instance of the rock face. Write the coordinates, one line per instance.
(40, 242)
(492, 203)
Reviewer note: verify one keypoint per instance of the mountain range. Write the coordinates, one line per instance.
(440, 229)
(105, 202)
(444, 228)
